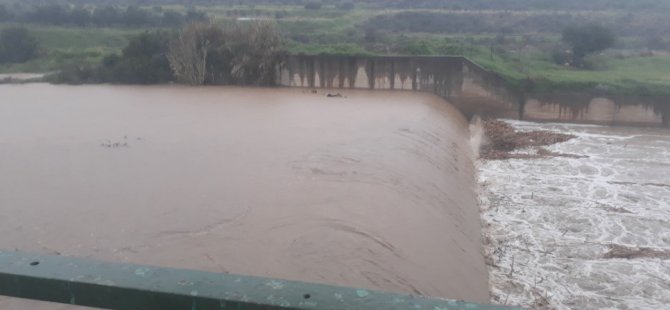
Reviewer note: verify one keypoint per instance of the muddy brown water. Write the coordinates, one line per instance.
(374, 190)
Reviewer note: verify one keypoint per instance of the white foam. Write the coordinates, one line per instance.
(548, 222)
(477, 135)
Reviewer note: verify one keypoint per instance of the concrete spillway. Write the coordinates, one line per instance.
(472, 89)
(373, 190)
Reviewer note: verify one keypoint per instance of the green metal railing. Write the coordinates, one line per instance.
(125, 286)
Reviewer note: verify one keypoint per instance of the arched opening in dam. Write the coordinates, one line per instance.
(374, 189)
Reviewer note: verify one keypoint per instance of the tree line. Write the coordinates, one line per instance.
(103, 16)
(201, 53)
(17, 45)
(523, 5)
(515, 23)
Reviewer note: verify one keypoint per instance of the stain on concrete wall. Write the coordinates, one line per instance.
(469, 87)
(598, 109)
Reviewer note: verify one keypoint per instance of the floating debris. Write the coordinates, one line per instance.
(627, 252)
(117, 144)
(503, 140)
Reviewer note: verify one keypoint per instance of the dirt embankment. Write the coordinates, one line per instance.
(16, 78)
(502, 140)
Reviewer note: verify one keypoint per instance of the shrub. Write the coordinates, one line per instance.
(313, 6)
(586, 40)
(346, 6)
(561, 57)
(17, 45)
(143, 61)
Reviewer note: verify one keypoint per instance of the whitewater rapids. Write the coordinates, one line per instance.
(549, 223)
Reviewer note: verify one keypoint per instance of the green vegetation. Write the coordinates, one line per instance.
(328, 49)
(200, 54)
(521, 40)
(634, 75)
(226, 54)
(142, 61)
(100, 16)
(598, 5)
(17, 45)
(585, 40)
(61, 46)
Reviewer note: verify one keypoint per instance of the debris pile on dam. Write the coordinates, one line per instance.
(502, 140)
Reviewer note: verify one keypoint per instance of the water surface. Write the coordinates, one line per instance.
(549, 223)
(374, 190)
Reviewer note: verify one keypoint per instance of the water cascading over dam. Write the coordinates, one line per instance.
(371, 190)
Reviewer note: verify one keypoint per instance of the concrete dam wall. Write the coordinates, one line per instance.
(599, 109)
(469, 87)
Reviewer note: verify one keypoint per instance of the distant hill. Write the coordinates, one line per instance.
(600, 5)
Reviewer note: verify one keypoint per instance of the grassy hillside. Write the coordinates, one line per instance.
(67, 45)
(518, 51)
(639, 75)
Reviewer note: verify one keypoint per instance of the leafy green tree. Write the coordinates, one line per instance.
(313, 5)
(143, 61)
(346, 6)
(195, 16)
(80, 16)
(107, 16)
(17, 45)
(172, 18)
(136, 16)
(48, 14)
(585, 40)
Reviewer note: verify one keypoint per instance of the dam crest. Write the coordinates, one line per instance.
(471, 88)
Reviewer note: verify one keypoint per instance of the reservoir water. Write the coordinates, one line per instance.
(372, 190)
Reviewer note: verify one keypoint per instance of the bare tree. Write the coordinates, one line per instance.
(257, 52)
(188, 54)
(232, 53)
